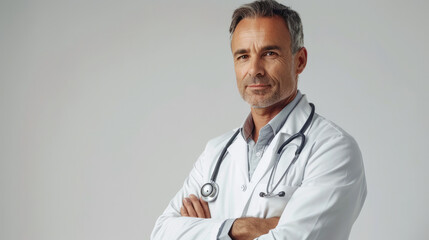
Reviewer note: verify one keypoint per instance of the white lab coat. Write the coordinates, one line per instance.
(325, 188)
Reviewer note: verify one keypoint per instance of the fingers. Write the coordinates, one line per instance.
(197, 206)
(189, 208)
(205, 208)
(194, 207)
(184, 212)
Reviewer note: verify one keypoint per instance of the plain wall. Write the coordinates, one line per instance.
(106, 105)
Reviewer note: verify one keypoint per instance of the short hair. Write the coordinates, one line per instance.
(271, 8)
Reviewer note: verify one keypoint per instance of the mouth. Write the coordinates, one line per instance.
(259, 86)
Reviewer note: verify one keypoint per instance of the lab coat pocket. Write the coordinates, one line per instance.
(266, 207)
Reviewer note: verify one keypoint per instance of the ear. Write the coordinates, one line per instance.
(300, 60)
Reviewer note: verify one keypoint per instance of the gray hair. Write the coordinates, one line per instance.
(271, 8)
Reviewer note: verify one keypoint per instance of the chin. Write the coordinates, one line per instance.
(260, 104)
(264, 104)
(257, 106)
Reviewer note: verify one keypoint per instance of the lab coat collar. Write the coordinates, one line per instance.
(297, 118)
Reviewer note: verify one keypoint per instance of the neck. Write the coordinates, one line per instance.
(262, 116)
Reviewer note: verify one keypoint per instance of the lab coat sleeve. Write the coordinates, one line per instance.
(171, 225)
(330, 197)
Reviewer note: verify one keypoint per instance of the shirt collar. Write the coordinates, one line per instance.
(276, 123)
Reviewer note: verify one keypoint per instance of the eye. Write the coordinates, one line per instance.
(270, 53)
(242, 57)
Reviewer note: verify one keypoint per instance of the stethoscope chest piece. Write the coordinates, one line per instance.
(209, 191)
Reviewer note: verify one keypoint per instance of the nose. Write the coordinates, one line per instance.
(256, 68)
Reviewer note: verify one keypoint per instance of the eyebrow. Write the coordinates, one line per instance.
(266, 48)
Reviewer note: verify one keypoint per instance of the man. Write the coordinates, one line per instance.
(266, 190)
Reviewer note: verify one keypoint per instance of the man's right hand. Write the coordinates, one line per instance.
(251, 228)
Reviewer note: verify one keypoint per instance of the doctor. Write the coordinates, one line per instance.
(266, 184)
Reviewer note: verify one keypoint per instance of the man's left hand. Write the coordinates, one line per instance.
(194, 207)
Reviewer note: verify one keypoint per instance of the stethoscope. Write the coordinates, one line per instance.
(210, 190)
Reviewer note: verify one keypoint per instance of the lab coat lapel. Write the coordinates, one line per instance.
(238, 151)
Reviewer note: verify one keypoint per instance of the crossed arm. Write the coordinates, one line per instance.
(242, 229)
(324, 206)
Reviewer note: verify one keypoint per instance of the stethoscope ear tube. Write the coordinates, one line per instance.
(280, 194)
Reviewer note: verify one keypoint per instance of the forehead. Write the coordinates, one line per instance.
(260, 31)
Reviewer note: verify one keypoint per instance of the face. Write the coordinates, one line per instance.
(265, 68)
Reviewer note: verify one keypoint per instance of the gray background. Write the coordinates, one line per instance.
(105, 106)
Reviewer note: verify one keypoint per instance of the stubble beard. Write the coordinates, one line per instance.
(261, 98)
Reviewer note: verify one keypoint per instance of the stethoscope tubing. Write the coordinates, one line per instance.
(211, 194)
(221, 156)
(297, 153)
